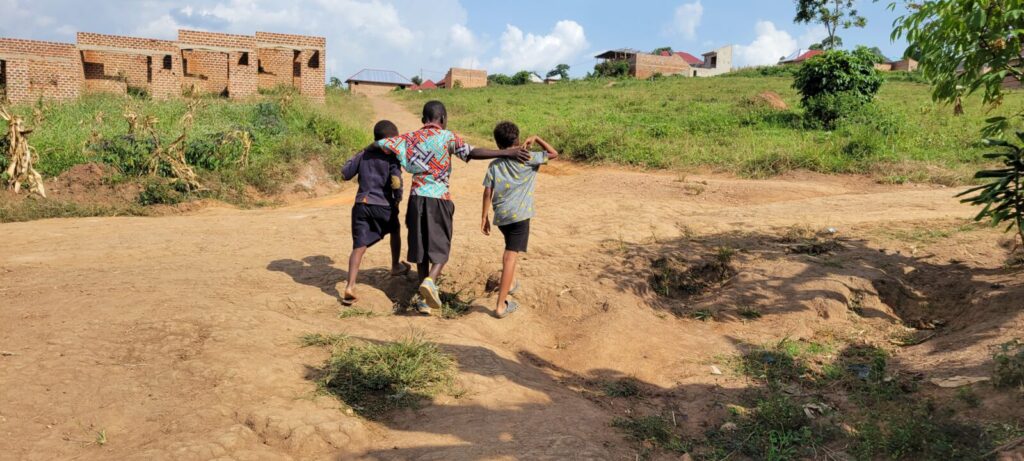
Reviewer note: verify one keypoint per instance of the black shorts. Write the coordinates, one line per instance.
(430, 229)
(370, 223)
(517, 235)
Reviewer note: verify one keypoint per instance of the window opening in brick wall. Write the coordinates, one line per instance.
(184, 66)
(314, 61)
(3, 75)
(296, 64)
(167, 62)
(243, 60)
(149, 69)
(259, 66)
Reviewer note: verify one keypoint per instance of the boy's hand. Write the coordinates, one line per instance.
(518, 153)
(485, 226)
(530, 141)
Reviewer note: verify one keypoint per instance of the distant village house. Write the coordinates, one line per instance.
(645, 65)
(463, 78)
(373, 81)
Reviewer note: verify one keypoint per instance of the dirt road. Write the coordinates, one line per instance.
(176, 337)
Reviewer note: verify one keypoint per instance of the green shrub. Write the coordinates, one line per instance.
(1009, 365)
(611, 69)
(128, 154)
(836, 83)
(157, 191)
(765, 71)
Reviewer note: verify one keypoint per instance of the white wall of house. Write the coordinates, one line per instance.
(722, 64)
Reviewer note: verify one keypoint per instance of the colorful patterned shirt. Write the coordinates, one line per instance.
(427, 155)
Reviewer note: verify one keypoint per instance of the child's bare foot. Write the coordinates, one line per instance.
(349, 298)
(401, 269)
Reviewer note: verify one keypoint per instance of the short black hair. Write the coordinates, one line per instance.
(506, 134)
(384, 129)
(434, 111)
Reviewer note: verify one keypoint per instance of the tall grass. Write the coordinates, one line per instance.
(285, 130)
(708, 122)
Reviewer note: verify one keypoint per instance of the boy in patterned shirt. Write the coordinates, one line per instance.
(509, 185)
(427, 154)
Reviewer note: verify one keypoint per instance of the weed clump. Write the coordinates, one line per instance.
(1009, 365)
(655, 430)
(674, 278)
(623, 388)
(375, 378)
(454, 305)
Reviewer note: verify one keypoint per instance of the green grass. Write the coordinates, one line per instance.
(354, 312)
(622, 388)
(286, 132)
(374, 378)
(32, 209)
(320, 339)
(456, 304)
(656, 430)
(706, 122)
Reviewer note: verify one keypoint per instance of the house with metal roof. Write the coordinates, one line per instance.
(799, 56)
(375, 81)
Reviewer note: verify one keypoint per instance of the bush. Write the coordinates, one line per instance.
(611, 69)
(836, 84)
(129, 154)
(766, 71)
(157, 191)
(1009, 368)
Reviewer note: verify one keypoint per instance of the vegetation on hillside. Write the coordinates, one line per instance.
(234, 147)
(719, 123)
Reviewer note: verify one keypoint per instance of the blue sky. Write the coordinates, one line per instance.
(409, 35)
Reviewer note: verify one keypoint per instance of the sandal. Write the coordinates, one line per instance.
(349, 299)
(515, 287)
(510, 307)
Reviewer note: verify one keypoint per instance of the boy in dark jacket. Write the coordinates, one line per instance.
(375, 212)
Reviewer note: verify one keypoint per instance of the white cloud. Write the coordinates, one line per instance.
(521, 51)
(686, 19)
(769, 45)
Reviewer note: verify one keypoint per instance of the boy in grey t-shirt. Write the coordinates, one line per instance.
(509, 186)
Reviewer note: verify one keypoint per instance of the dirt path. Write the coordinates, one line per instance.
(176, 336)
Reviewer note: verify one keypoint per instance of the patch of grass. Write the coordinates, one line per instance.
(703, 315)
(675, 278)
(776, 428)
(320, 339)
(375, 378)
(1009, 364)
(353, 312)
(455, 305)
(968, 397)
(689, 123)
(285, 133)
(749, 313)
(656, 430)
(623, 388)
(918, 431)
(31, 209)
(101, 437)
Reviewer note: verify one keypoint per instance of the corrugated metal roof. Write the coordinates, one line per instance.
(620, 51)
(379, 76)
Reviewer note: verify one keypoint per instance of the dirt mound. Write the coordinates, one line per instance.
(767, 99)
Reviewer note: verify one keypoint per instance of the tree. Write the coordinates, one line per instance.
(816, 46)
(837, 83)
(416, 80)
(967, 46)
(833, 14)
(561, 70)
(879, 56)
(334, 82)
(662, 49)
(613, 69)
(522, 77)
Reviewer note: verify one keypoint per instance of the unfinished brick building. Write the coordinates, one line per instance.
(464, 78)
(235, 66)
(31, 69)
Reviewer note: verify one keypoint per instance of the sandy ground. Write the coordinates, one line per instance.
(177, 336)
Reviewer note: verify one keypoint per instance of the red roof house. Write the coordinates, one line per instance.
(689, 58)
(800, 56)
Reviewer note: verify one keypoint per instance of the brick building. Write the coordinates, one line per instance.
(463, 78)
(373, 81)
(645, 65)
(235, 66)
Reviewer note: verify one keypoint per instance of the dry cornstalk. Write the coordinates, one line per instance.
(174, 155)
(22, 156)
(245, 139)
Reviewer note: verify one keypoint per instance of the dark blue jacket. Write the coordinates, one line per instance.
(380, 177)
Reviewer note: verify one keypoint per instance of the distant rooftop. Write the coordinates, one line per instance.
(379, 76)
(619, 52)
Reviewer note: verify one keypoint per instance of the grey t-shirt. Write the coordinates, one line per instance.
(513, 183)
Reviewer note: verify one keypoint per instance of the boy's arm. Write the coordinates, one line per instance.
(395, 171)
(518, 153)
(552, 153)
(351, 168)
(485, 219)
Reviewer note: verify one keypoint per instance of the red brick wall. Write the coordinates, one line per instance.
(133, 68)
(280, 60)
(217, 71)
(38, 69)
